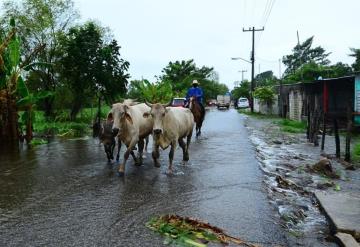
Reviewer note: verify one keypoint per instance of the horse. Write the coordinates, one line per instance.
(198, 112)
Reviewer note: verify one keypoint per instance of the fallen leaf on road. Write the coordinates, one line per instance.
(191, 232)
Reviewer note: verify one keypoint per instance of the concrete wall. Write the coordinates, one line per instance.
(263, 108)
(295, 105)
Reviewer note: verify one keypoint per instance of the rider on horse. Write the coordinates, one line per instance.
(197, 92)
(194, 98)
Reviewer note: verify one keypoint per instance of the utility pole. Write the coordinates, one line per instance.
(252, 87)
(242, 74)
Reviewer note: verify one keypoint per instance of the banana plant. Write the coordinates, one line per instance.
(14, 86)
(27, 102)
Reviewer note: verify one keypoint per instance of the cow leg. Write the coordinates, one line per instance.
(156, 155)
(146, 144)
(112, 149)
(141, 149)
(188, 140)
(183, 147)
(129, 149)
(119, 147)
(171, 156)
(107, 154)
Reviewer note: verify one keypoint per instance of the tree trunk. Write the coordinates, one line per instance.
(75, 109)
(48, 107)
(9, 129)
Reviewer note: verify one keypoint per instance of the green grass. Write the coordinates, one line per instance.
(62, 126)
(292, 126)
(355, 156)
(257, 114)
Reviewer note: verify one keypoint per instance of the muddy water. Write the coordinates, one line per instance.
(65, 194)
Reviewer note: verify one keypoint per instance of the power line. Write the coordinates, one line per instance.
(269, 9)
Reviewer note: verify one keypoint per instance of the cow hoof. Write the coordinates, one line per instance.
(169, 172)
(157, 165)
(120, 174)
(117, 158)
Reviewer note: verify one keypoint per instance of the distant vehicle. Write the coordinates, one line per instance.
(243, 103)
(178, 102)
(223, 101)
(212, 102)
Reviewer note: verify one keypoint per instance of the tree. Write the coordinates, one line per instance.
(265, 94)
(242, 91)
(265, 78)
(355, 53)
(90, 65)
(181, 73)
(40, 22)
(303, 54)
(13, 90)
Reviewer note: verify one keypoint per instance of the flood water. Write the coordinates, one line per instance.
(66, 194)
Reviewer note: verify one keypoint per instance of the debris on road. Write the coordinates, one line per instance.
(192, 232)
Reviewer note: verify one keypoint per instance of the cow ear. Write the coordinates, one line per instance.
(146, 114)
(128, 117)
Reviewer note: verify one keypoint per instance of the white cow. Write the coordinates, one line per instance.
(132, 128)
(171, 125)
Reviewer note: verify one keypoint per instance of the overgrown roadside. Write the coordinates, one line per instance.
(61, 126)
(293, 174)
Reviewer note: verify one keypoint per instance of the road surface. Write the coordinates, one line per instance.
(65, 193)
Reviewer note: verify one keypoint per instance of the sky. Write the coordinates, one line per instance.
(153, 33)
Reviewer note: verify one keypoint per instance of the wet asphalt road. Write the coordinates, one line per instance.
(65, 193)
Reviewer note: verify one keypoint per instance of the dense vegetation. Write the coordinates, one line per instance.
(52, 66)
(304, 64)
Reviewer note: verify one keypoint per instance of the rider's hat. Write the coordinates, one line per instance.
(195, 82)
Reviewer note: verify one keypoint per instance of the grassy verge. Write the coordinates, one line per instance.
(285, 125)
(257, 114)
(355, 155)
(62, 126)
(292, 126)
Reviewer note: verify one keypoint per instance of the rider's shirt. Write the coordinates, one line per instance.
(197, 92)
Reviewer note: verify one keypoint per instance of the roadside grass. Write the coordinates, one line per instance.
(257, 114)
(292, 126)
(285, 125)
(61, 125)
(355, 155)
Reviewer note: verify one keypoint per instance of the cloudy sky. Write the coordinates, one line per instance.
(152, 33)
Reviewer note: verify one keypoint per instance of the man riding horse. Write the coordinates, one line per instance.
(195, 93)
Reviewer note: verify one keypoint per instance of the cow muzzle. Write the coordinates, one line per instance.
(157, 131)
(115, 131)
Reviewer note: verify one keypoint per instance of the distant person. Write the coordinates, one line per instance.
(197, 92)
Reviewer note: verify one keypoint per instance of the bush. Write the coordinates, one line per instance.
(265, 94)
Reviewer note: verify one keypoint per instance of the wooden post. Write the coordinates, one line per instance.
(323, 132)
(348, 133)
(308, 122)
(337, 139)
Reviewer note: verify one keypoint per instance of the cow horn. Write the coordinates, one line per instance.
(148, 104)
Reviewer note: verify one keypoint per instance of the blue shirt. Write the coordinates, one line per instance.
(197, 92)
